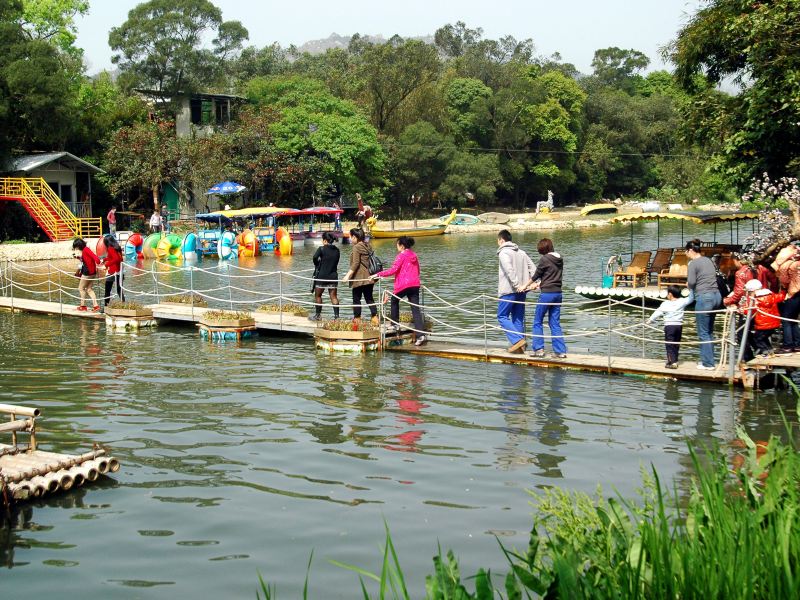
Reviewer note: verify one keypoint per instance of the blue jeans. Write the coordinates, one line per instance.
(511, 316)
(705, 324)
(550, 304)
(789, 309)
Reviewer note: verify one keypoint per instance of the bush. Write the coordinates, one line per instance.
(125, 305)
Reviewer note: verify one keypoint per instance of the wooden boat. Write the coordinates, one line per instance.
(380, 233)
(494, 217)
(598, 209)
(462, 219)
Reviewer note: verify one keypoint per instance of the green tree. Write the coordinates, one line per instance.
(325, 130)
(143, 155)
(35, 89)
(53, 21)
(468, 112)
(391, 72)
(755, 45)
(619, 68)
(160, 45)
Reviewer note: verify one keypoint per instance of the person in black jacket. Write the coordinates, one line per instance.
(547, 279)
(326, 261)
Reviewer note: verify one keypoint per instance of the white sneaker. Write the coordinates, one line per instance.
(702, 367)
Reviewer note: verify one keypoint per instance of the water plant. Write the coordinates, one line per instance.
(737, 535)
(286, 307)
(193, 299)
(226, 315)
(125, 305)
(349, 325)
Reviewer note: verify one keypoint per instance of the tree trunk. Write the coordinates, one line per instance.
(155, 198)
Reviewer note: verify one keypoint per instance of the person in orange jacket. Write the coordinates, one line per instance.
(766, 318)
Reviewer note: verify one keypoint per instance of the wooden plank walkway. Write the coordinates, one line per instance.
(645, 367)
(47, 308)
(462, 350)
(169, 312)
(781, 361)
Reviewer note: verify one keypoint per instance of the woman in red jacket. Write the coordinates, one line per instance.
(766, 319)
(88, 273)
(113, 262)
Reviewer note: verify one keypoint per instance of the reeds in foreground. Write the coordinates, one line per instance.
(737, 536)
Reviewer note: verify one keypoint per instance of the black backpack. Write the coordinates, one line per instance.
(374, 264)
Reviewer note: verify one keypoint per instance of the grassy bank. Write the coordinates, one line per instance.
(737, 535)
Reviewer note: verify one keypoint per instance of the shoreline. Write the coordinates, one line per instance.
(517, 222)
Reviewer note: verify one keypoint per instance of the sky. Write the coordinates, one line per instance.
(574, 28)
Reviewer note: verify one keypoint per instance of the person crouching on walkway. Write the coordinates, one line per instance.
(326, 277)
(405, 270)
(672, 311)
(113, 262)
(88, 273)
(547, 279)
(515, 273)
(763, 304)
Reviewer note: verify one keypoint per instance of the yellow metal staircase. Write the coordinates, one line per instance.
(47, 209)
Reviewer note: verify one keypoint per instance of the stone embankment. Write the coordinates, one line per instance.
(40, 251)
(516, 222)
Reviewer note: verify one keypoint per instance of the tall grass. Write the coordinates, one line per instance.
(736, 536)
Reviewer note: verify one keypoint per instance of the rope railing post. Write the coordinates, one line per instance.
(191, 289)
(731, 347)
(644, 331)
(230, 290)
(485, 332)
(743, 343)
(49, 287)
(155, 279)
(280, 298)
(608, 336)
(11, 282)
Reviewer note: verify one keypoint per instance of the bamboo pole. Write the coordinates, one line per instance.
(20, 410)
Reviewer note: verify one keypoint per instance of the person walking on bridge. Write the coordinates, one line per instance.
(514, 275)
(701, 279)
(547, 279)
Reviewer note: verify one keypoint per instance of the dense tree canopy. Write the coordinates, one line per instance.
(407, 123)
(755, 46)
(160, 46)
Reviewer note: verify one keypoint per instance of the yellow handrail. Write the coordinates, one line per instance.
(48, 209)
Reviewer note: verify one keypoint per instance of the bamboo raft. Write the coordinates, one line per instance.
(27, 473)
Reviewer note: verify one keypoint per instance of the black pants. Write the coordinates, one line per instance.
(790, 309)
(672, 333)
(110, 284)
(364, 291)
(761, 340)
(412, 294)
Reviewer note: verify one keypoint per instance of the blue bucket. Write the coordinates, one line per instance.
(608, 281)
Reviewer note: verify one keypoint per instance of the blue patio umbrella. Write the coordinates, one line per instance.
(225, 188)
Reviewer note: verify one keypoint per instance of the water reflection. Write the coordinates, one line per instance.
(269, 448)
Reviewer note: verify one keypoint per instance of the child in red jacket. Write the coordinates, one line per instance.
(765, 316)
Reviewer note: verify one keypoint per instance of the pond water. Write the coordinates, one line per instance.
(242, 459)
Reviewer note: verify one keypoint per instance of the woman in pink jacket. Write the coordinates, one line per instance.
(406, 285)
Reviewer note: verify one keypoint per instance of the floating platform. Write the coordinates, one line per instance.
(642, 367)
(27, 472)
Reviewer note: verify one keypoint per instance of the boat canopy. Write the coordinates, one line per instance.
(701, 218)
(317, 210)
